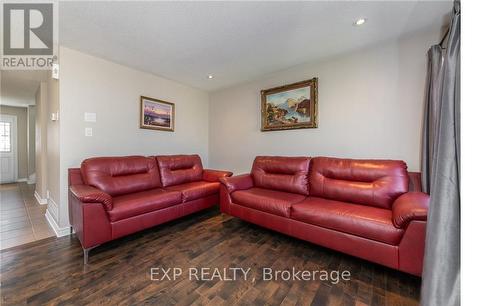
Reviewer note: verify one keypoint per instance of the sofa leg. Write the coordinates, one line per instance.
(71, 230)
(86, 254)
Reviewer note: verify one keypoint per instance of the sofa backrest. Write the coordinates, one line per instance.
(121, 175)
(370, 182)
(75, 177)
(281, 173)
(179, 169)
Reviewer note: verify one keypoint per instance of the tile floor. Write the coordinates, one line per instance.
(22, 219)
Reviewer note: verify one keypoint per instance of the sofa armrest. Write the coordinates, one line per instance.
(239, 182)
(210, 175)
(408, 207)
(89, 194)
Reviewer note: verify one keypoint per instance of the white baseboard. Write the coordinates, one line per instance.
(21, 180)
(53, 209)
(39, 199)
(31, 179)
(60, 231)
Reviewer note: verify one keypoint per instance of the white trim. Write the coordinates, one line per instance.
(31, 179)
(39, 199)
(22, 180)
(13, 104)
(16, 149)
(53, 209)
(60, 231)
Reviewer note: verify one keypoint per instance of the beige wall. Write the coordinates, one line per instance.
(53, 150)
(31, 139)
(112, 91)
(41, 140)
(47, 145)
(22, 137)
(370, 106)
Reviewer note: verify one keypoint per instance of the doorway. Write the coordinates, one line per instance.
(8, 149)
(22, 215)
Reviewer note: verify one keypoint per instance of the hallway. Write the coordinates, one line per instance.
(22, 219)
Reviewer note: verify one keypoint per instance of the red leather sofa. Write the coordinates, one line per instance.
(359, 207)
(111, 197)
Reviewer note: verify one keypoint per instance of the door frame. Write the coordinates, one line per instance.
(14, 144)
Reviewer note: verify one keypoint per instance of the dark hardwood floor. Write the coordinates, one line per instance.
(51, 271)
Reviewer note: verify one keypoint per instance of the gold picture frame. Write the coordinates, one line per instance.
(156, 114)
(292, 106)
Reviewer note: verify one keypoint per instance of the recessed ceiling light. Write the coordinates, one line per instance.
(210, 76)
(360, 21)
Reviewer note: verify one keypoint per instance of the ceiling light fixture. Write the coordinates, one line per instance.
(210, 76)
(360, 22)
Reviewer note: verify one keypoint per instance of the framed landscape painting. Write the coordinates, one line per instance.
(293, 106)
(157, 114)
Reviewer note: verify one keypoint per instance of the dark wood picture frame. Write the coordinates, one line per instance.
(304, 108)
(151, 125)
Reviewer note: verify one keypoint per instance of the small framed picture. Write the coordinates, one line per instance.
(293, 106)
(157, 114)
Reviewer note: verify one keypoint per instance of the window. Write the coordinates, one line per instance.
(5, 137)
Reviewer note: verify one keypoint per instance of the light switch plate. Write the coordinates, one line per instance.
(88, 132)
(90, 117)
(55, 71)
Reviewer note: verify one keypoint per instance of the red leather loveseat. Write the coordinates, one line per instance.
(359, 207)
(111, 197)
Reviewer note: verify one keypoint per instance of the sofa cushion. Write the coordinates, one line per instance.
(195, 190)
(121, 175)
(369, 182)
(271, 201)
(360, 220)
(281, 173)
(138, 203)
(179, 169)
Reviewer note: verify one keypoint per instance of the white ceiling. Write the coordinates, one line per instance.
(18, 88)
(234, 41)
